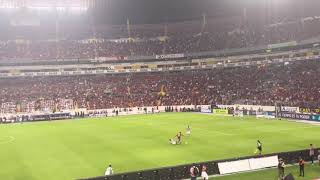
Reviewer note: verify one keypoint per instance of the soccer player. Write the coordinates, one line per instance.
(179, 137)
(188, 130)
(259, 147)
(172, 141)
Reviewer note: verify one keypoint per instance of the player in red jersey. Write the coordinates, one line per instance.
(179, 137)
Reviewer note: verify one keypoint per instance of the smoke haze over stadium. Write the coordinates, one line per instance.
(155, 11)
(156, 89)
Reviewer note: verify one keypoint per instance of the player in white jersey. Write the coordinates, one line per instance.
(188, 131)
(172, 141)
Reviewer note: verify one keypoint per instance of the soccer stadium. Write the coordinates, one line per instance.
(159, 89)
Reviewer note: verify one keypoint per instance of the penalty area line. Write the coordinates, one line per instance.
(223, 133)
(7, 139)
(217, 132)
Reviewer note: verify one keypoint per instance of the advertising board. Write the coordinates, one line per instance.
(220, 111)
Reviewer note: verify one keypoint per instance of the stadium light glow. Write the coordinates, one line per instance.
(59, 5)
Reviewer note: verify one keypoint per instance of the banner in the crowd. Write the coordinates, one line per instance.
(316, 117)
(299, 116)
(295, 116)
(289, 109)
(169, 56)
(220, 111)
(206, 109)
(113, 58)
(280, 45)
(51, 116)
(309, 110)
(125, 40)
(270, 115)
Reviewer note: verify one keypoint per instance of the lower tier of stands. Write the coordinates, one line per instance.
(294, 84)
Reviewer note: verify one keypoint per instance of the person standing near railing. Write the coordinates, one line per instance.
(311, 153)
(281, 166)
(204, 174)
(194, 171)
(301, 167)
(319, 157)
(109, 171)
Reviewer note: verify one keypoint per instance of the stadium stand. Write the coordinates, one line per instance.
(68, 68)
(182, 37)
(293, 84)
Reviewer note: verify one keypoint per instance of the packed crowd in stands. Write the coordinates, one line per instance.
(295, 84)
(183, 37)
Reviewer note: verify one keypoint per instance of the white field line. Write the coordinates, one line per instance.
(7, 139)
(276, 130)
(223, 133)
(246, 129)
(217, 132)
(290, 129)
(306, 122)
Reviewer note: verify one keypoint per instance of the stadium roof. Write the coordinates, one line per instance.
(162, 11)
(42, 3)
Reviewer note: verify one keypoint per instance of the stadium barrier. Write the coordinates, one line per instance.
(253, 108)
(309, 110)
(220, 111)
(247, 164)
(182, 171)
(205, 109)
(296, 116)
(83, 112)
(35, 117)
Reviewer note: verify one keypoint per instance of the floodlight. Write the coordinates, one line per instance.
(60, 5)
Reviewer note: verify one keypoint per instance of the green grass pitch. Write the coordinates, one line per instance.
(83, 148)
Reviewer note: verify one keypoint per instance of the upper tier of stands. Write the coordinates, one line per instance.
(81, 42)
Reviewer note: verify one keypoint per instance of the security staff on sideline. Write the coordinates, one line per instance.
(311, 153)
(281, 166)
(109, 171)
(301, 166)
